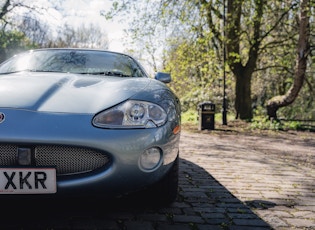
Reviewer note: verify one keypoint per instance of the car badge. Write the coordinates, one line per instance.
(2, 117)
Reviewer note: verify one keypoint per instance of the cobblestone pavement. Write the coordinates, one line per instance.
(257, 177)
(226, 182)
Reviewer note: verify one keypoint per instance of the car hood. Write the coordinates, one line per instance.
(66, 93)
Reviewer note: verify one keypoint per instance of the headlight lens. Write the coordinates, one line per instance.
(132, 114)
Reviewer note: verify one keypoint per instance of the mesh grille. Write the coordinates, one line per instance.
(7, 154)
(68, 160)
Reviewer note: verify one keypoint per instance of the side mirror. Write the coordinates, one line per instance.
(163, 77)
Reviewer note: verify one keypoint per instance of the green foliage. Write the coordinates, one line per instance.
(264, 123)
(293, 125)
(12, 42)
(190, 116)
(11, 38)
(194, 55)
(261, 121)
(195, 70)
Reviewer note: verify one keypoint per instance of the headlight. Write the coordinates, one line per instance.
(132, 114)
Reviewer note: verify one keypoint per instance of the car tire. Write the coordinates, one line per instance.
(165, 191)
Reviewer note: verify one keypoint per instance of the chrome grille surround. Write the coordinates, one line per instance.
(68, 160)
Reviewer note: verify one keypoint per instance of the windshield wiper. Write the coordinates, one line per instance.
(33, 70)
(109, 73)
(46, 71)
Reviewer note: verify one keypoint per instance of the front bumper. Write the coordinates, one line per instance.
(123, 148)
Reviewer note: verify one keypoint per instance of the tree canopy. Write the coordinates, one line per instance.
(26, 25)
(260, 38)
(258, 53)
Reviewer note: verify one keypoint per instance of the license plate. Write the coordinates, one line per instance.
(27, 180)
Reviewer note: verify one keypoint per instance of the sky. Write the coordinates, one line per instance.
(88, 11)
(79, 12)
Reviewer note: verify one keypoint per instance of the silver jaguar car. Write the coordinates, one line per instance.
(86, 122)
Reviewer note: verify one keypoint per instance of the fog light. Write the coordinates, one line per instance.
(150, 159)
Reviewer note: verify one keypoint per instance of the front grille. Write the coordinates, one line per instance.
(8, 155)
(68, 160)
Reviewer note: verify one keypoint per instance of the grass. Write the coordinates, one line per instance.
(259, 125)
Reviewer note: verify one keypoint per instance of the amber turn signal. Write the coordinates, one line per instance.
(176, 129)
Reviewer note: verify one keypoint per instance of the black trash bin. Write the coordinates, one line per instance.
(206, 115)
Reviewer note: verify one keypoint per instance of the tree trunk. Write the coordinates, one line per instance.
(243, 101)
(242, 73)
(303, 49)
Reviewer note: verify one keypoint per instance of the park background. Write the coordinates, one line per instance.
(253, 59)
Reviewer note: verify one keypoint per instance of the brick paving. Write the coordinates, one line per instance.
(266, 180)
(231, 181)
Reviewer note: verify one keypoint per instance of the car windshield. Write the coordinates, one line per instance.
(74, 61)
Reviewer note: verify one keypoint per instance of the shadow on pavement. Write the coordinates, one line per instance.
(202, 203)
